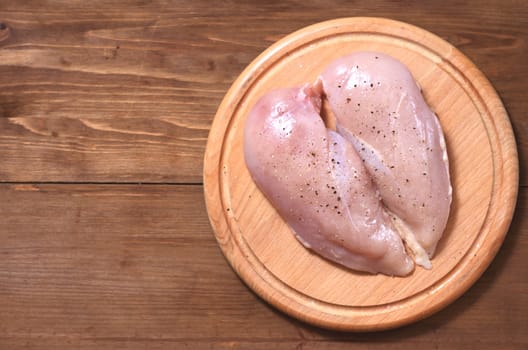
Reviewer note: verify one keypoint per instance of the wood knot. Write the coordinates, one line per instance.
(4, 31)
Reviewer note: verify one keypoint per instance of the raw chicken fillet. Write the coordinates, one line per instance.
(379, 108)
(352, 195)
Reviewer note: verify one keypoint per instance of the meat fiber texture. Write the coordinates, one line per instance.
(356, 194)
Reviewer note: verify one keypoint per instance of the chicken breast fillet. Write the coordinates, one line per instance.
(319, 185)
(379, 108)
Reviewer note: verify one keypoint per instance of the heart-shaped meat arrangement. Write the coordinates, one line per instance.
(368, 193)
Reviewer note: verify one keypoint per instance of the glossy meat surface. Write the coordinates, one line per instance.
(319, 185)
(379, 108)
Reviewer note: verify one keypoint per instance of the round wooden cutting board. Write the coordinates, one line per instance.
(483, 166)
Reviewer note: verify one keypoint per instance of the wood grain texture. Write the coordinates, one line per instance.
(109, 266)
(144, 78)
(124, 92)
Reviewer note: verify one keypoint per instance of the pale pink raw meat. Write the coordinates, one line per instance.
(319, 185)
(379, 108)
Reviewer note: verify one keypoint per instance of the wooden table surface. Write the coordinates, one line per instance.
(105, 108)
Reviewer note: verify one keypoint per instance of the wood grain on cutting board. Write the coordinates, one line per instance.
(483, 167)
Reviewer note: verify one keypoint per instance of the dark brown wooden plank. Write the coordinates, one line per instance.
(137, 266)
(114, 91)
(126, 91)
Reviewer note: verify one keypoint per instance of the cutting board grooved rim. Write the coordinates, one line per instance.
(245, 82)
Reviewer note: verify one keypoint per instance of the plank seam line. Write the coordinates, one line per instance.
(147, 183)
